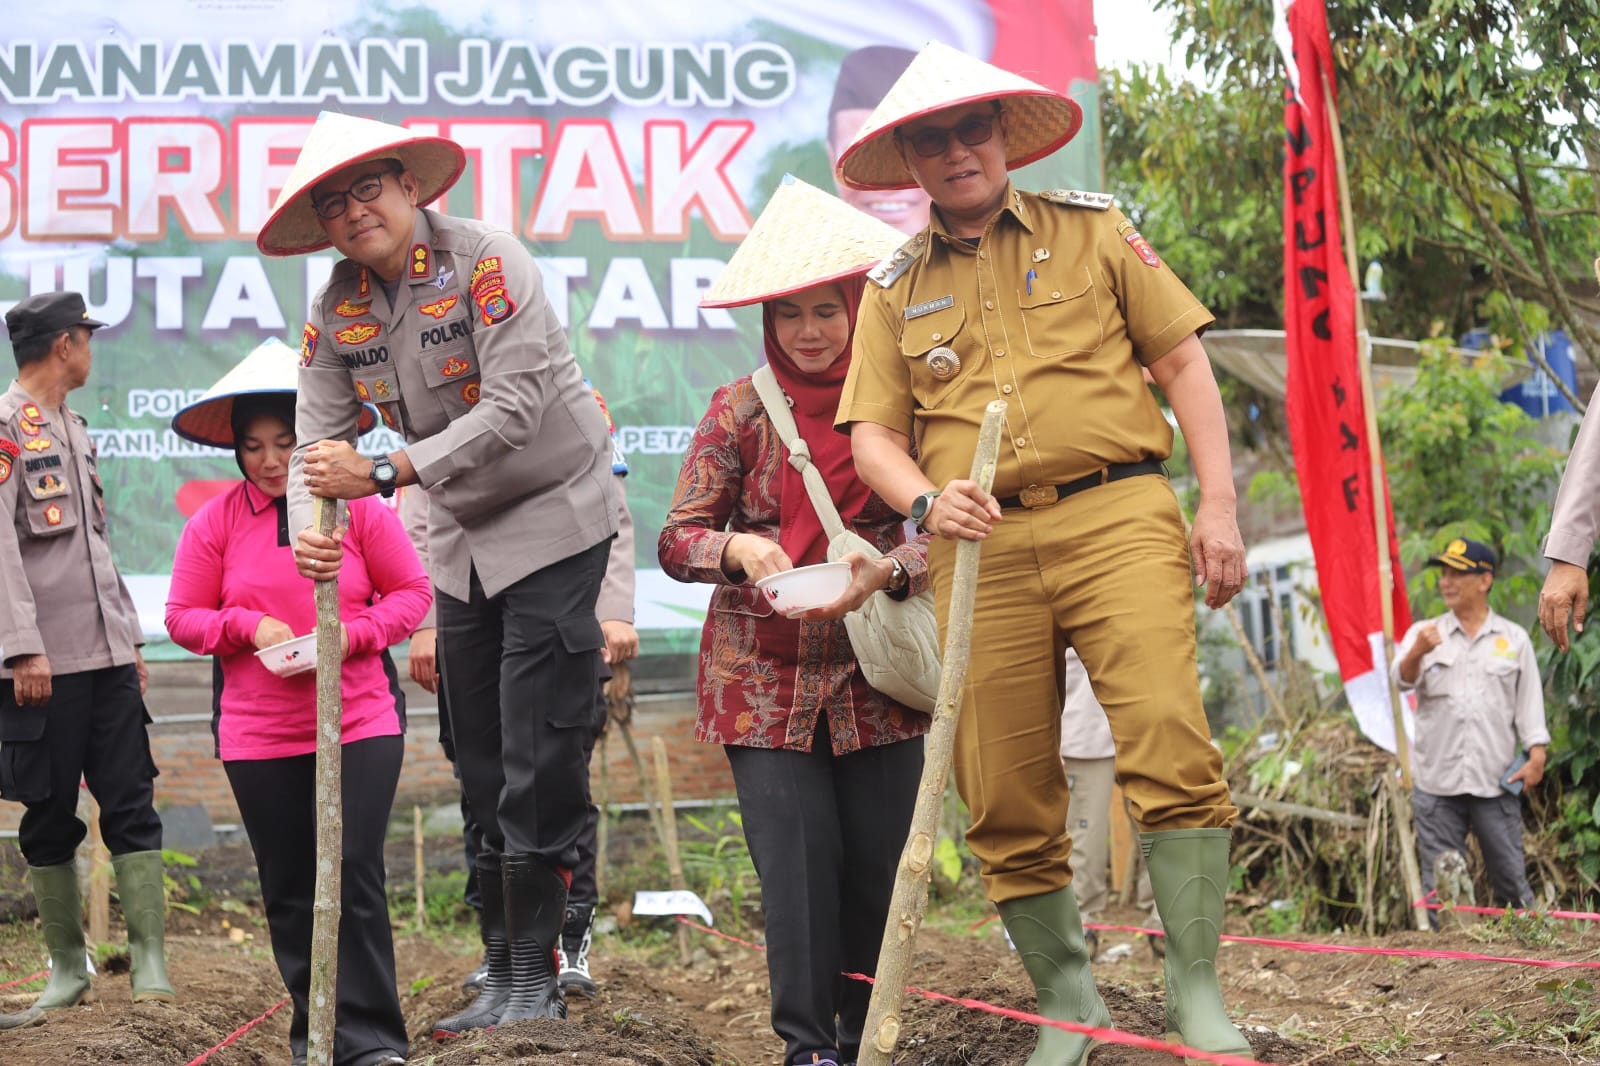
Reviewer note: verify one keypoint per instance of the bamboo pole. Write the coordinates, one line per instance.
(910, 899)
(99, 878)
(1380, 520)
(669, 823)
(330, 812)
(418, 864)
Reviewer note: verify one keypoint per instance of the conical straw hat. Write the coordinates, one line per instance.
(336, 141)
(804, 237)
(1038, 121)
(273, 367)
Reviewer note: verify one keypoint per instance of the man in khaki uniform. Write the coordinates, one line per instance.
(1053, 303)
(72, 680)
(444, 325)
(1480, 704)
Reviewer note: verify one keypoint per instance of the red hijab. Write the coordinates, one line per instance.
(814, 400)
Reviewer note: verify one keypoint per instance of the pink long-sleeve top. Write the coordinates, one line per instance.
(230, 572)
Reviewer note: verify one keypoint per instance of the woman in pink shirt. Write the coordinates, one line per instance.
(235, 590)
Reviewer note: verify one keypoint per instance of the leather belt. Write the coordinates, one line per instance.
(1045, 495)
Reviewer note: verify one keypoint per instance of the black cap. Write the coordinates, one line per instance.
(1466, 556)
(47, 314)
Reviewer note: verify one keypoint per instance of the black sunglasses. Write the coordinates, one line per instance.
(365, 189)
(971, 131)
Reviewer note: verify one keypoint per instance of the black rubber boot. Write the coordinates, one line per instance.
(484, 1012)
(536, 902)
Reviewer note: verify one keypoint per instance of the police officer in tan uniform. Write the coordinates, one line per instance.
(1574, 525)
(444, 325)
(72, 680)
(1053, 303)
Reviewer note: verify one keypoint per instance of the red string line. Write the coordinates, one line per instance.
(237, 1033)
(1108, 1036)
(25, 980)
(1521, 912)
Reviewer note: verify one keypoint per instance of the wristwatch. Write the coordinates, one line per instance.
(384, 473)
(898, 578)
(920, 506)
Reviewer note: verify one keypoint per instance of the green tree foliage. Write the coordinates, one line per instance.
(1472, 129)
(1463, 464)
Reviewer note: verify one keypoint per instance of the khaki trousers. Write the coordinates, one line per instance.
(1106, 571)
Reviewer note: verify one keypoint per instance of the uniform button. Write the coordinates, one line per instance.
(1056, 295)
(938, 336)
(1006, 389)
(1000, 354)
(989, 304)
(1022, 442)
(983, 255)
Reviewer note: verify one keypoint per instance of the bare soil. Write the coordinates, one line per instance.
(1297, 1007)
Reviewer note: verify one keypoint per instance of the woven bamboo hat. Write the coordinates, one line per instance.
(1039, 120)
(804, 237)
(336, 141)
(273, 367)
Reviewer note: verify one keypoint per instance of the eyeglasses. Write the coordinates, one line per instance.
(364, 190)
(971, 131)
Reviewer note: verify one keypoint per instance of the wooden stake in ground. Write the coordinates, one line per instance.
(669, 826)
(330, 812)
(419, 864)
(99, 877)
(910, 898)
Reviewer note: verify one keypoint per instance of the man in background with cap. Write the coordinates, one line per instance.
(443, 323)
(1055, 304)
(1479, 700)
(72, 680)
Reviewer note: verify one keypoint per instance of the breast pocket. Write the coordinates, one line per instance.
(51, 505)
(940, 353)
(454, 379)
(1063, 316)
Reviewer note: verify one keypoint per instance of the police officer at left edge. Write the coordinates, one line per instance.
(72, 678)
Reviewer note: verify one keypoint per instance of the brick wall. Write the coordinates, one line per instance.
(190, 774)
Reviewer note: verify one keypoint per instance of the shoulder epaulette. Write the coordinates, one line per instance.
(890, 269)
(1099, 201)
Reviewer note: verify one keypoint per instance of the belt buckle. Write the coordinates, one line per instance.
(1038, 496)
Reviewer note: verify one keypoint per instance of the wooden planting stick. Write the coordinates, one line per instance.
(330, 812)
(419, 864)
(99, 878)
(669, 825)
(910, 900)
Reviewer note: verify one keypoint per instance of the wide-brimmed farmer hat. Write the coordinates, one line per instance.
(272, 367)
(335, 142)
(804, 238)
(1039, 120)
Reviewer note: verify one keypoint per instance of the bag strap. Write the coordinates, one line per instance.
(777, 405)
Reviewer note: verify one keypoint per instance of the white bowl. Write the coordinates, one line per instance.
(805, 588)
(291, 657)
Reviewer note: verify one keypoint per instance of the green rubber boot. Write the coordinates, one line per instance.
(141, 888)
(1189, 874)
(55, 889)
(1048, 933)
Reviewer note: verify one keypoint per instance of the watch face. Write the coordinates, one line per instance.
(919, 507)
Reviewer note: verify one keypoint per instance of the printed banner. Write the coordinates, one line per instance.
(628, 145)
(1327, 417)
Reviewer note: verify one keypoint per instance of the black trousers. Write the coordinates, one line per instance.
(521, 684)
(92, 729)
(276, 800)
(826, 832)
(1443, 823)
(585, 889)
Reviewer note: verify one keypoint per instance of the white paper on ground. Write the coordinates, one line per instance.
(677, 901)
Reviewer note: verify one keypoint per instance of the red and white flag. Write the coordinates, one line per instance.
(1327, 417)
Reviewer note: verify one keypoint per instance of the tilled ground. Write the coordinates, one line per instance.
(1298, 1007)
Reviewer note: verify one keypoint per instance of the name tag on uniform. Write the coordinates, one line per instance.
(929, 307)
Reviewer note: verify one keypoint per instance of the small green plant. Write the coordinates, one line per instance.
(717, 864)
(184, 891)
(1574, 1026)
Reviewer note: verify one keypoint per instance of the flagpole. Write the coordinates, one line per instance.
(1380, 517)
